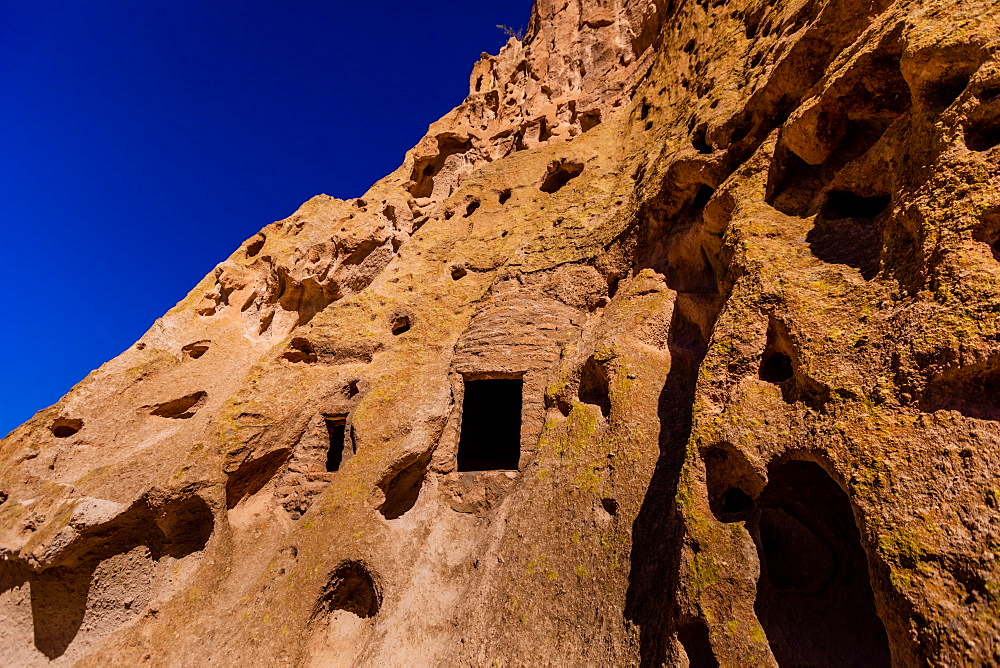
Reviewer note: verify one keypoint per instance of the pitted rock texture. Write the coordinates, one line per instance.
(737, 261)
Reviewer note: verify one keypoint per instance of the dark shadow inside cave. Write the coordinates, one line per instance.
(814, 595)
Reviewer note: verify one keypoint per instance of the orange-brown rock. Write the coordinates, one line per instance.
(676, 343)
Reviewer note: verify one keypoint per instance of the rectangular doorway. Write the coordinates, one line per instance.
(491, 425)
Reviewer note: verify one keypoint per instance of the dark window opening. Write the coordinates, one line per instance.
(491, 425)
(842, 204)
(471, 209)
(776, 368)
(336, 428)
(505, 195)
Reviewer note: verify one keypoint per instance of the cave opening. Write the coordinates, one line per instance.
(336, 428)
(776, 368)
(814, 595)
(842, 204)
(491, 425)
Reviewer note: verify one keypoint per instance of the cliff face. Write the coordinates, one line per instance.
(676, 343)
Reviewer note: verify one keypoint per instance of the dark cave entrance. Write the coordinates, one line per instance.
(491, 425)
(814, 596)
(336, 428)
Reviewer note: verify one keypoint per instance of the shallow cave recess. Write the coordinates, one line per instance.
(595, 387)
(64, 427)
(351, 588)
(560, 173)
(401, 485)
(181, 408)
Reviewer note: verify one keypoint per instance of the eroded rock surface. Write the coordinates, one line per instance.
(737, 263)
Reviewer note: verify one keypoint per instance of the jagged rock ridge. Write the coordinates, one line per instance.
(675, 343)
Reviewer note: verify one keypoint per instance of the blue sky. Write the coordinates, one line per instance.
(141, 141)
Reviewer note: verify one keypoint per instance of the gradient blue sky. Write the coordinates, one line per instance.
(141, 141)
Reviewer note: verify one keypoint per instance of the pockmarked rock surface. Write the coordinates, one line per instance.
(676, 343)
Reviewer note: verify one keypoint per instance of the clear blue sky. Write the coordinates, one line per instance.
(141, 141)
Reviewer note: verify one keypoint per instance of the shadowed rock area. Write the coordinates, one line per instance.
(676, 343)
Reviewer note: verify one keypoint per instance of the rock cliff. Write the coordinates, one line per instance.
(677, 342)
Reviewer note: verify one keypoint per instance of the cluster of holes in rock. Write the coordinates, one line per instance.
(181, 408)
(64, 427)
(490, 436)
(426, 169)
(400, 324)
(560, 173)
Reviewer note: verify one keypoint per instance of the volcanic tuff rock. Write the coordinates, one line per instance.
(677, 342)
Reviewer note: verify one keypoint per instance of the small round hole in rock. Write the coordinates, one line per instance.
(471, 209)
(400, 325)
(458, 272)
(505, 195)
(610, 505)
(776, 368)
(736, 501)
(66, 427)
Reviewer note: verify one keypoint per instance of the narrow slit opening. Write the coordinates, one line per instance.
(336, 429)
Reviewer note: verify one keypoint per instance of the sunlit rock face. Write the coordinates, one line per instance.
(676, 343)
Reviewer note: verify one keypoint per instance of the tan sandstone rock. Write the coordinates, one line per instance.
(710, 292)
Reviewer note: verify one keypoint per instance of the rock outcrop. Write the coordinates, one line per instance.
(677, 342)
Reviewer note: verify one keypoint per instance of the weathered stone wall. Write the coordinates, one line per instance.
(743, 255)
